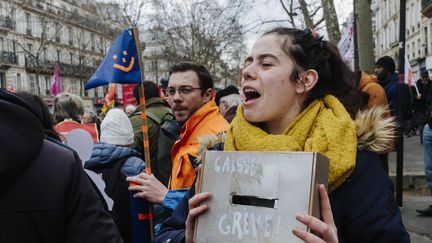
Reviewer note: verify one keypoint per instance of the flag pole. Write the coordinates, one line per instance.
(144, 127)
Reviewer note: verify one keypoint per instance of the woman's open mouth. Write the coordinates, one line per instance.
(250, 95)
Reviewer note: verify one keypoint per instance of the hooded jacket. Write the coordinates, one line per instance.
(105, 155)
(45, 196)
(115, 163)
(364, 208)
(368, 84)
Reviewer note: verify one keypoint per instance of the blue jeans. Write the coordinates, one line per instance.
(427, 152)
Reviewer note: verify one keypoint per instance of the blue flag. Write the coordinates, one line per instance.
(120, 64)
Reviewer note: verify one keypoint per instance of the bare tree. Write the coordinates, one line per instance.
(49, 33)
(364, 35)
(331, 20)
(314, 13)
(311, 12)
(201, 31)
(290, 10)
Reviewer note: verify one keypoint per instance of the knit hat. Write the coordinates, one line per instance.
(387, 63)
(225, 92)
(116, 128)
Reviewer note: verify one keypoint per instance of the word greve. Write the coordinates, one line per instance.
(245, 223)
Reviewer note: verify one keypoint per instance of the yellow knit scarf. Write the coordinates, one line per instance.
(324, 126)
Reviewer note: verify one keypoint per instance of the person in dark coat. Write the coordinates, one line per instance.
(299, 96)
(387, 77)
(115, 159)
(422, 103)
(45, 194)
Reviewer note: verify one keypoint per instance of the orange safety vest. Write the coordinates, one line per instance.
(205, 121)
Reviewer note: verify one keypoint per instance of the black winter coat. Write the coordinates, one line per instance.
(45, 195)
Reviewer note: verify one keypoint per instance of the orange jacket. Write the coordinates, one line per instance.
(205, 121)
(377, 95)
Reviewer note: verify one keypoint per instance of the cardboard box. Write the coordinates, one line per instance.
(256, 195)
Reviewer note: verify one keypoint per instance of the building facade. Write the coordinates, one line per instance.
(418, 34)
(36, 34)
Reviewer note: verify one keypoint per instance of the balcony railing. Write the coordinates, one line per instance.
(7, 22)
(47, 67)
(75, 16)
(427, 8)
(8, 57)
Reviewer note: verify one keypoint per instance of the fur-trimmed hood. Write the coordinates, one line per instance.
(376, 132)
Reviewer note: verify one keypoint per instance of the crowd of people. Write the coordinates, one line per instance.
(297, 94)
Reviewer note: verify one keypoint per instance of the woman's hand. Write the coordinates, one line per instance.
(195, 209)
(326, 228)
(148, 187)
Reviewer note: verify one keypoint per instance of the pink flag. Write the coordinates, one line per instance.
(55, 83)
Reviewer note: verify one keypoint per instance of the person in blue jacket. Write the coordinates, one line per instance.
(115, 159)
(299, 95)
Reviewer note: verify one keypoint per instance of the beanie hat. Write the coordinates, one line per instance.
(116, 128)
(387, 63)
(225, 92)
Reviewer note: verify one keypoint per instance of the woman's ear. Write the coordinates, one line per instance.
(308, 80)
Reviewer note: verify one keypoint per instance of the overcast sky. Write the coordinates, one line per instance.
(272, 10)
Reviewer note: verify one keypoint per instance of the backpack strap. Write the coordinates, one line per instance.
(154, 117)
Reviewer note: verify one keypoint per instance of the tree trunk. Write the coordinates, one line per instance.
(364, 36)
(332, 24)
(306, 16)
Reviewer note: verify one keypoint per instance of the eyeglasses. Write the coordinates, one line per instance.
(184, 90)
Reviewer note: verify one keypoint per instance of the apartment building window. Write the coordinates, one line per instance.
(18, 84)
(92, 42)
(71, 56)
(57, 32)
(28, 23)
(13, 13)
(45, 54)
(2, 44)
(3, 80)
(58, 55)
(30, 48)
(426, 41)
(47, 85)
(81, 40)
(102, 45)
(413, 49)
(74, 86)
(414, 15)
(70, 33)
(419, 47)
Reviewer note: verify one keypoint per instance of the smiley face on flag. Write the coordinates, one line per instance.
(123, 68)
(120, 64)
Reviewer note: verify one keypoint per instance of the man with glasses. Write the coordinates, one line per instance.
(190, 95)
